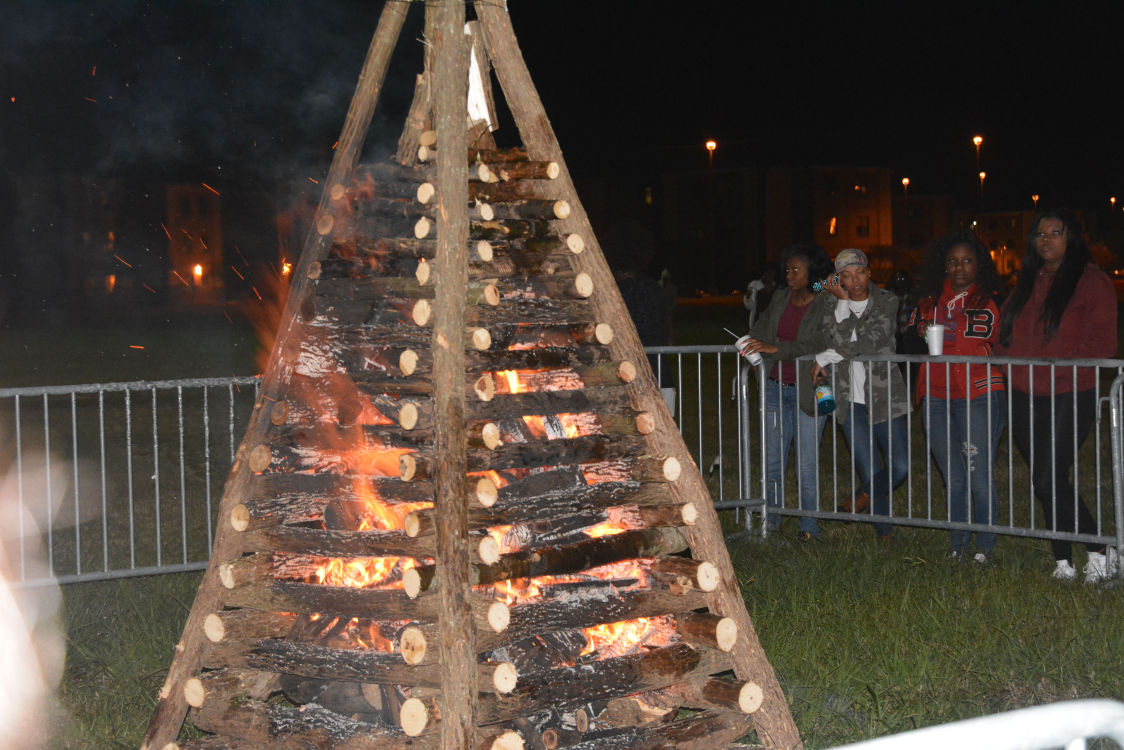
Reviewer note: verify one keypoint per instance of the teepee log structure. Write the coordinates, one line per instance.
(462, 515)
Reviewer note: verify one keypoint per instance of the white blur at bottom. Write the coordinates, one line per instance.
(1066, 724)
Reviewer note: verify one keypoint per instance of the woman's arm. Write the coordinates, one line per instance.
(874, 331)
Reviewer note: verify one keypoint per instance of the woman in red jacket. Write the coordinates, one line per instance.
(963, 403)
(1063, 307)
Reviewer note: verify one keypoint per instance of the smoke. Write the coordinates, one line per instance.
(139, 85)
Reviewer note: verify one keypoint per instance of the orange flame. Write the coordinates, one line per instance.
(622, 637)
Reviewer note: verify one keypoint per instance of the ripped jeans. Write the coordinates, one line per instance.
(972, 428)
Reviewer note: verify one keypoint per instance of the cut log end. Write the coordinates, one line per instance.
(194, 692)
(491, 295)
(425, 192)
(425, 153)
(412, 645)
(260, 458)
(481, 339)
(423, 272)
(422, 227)
(509, 740)
(626, 372)
(562, 210)
(487, 492)
(499, 616)
(707, 577)
(485, 387)
(239, 517)
(226, 575)
(486, 175)
(411, 582)
(427, 138)
(412, 524)
(603, 332)
(489, 550)
(726, 634)
(413, 717)
(750, 697)
(407, 467)
(314, 270)
(583, 285)
(408, 362)
(214, 628)
(672, 469)
(279, 414)
(408, 416)
(553, 170)
(484, 251)
(486, 212)
(575, 243)
(422, 312)
(324, 224)
(337, 191)
(505, 678)
(689, 513)
(490, 434)
(645, 423)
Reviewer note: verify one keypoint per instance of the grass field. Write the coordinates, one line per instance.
(866, 640)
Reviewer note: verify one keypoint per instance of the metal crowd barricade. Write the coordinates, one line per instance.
(116, 479)
(923, 501)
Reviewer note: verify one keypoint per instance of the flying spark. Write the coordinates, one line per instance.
(216, 192)
(177, 273)
(134, 346)
(118, 257)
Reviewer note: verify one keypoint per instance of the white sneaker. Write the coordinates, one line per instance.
(980, 558)
(1101, 567)
(1063, 571)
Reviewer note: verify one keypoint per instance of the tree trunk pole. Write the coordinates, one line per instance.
(171, 706)
(773, 722)
(458, 642)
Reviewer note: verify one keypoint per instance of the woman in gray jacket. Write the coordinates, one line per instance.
(775, 334)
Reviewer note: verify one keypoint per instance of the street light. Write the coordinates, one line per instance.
(977, 140)
(1112, 201)
(710, 146)
(983, 176)
(1035, 199)
(905, 185)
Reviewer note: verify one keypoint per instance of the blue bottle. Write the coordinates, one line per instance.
(825, 398)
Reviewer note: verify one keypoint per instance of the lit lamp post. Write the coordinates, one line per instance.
(983, 176)
(1112, 201)
(905, 186)
(977, 140)
(710, 146)
(1035, 199)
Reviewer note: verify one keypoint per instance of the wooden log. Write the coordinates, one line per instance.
(351, 665)
(605, 678)
(255, 514)
(601, 400)
(706, 629)
(699, 732)
(589, 553)
(244, 570)
(599, 603)
(517, 170)
(344, 601)
(416, 120)
(247, 624)
(223, 686)
(247, 721)
(681, 574)
(564, 452)
(718, 693)
(279, 487)
(505, 229)
(419, 362)
(531, 208)
(514, 335)
(302, 540)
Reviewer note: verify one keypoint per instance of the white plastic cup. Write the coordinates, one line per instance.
(754, 358)
(934, 337)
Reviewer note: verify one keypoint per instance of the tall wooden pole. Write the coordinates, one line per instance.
(458, 642)
(773, 721)
(171, 706)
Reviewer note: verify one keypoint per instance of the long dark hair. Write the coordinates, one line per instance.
(987, 276)
(819, 263)
(1077, 256)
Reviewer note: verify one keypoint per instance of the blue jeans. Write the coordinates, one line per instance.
(785, 423)
(973, 427)
(878, 480)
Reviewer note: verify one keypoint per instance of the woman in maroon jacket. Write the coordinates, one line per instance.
(1063, 307)
(963, 404)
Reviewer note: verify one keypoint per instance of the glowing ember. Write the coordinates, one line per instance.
(608, 528)
(514, 384)
(621, 637)
(363, 572)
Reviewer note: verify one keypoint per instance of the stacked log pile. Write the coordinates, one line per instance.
(455, 521)
(355, 429)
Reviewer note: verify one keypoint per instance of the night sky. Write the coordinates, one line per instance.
(222, 90)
